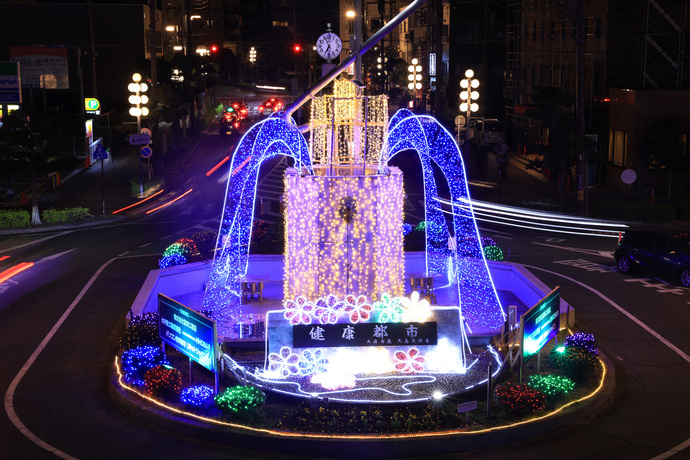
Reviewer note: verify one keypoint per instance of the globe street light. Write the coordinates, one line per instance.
(138, 109)
(252, 59)
(467, 96)
(415, 78)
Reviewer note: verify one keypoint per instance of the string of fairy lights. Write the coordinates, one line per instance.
(347, 129)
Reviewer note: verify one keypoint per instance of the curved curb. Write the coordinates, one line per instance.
(373, 446)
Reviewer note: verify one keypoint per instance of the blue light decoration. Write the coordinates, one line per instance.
(476, 291)
(266, 139)
(292, 368)
(136, 361)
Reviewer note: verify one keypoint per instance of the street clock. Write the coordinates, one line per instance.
(329, 46)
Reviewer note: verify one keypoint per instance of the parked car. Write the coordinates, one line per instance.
(489, 132)
(660, 251)
(229, 123)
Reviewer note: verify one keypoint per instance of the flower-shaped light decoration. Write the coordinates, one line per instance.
(298, 310)
(389, 308)
(313, 362)
(327, 309)
(409, 362)
(416, 310)
(358, 308)
(284, 364)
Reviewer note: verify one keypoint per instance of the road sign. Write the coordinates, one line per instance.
(628, 176)
(100, 153)
(140, 139)
(145, 131)
(468, 406)
(460, 121)
(146, 152)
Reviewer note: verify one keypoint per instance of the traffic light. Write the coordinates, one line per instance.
(297, 48)
(214, 48)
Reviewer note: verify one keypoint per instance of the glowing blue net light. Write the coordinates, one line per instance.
(136, 361)
(263, 141)
(476, 292)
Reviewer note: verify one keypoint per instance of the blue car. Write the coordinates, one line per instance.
(661, 251)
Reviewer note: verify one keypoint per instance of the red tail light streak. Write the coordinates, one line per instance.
(170, 202)
(17, 269)
(138, 202)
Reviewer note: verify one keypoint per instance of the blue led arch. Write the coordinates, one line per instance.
(266, 139)
(476, 292)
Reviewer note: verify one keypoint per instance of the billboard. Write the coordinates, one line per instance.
(42, 66)
(540, 323)
(190, 332)
(10, 84)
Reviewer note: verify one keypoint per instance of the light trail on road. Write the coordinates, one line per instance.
(539, 220)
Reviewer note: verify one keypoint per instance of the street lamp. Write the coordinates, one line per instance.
(138, 109)
(414, 77)
(355, 40)
(468, 84)
(252, 59)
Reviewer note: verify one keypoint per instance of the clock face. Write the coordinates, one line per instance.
(329, 46)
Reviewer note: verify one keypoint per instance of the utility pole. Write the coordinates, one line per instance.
(581, 166)
(153, 46)
(439, 97)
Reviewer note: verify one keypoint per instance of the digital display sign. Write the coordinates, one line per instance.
(188, 331)
(364, 335)
(540, 324)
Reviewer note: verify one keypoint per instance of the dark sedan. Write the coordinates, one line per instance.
(660, 251)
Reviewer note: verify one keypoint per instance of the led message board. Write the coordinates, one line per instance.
(364, 335)
(540, 324)
(188, 331)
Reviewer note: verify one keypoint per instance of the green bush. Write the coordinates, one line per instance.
(64, 216)
(14, 218)
(574, 362)
(139, 335)
(374, 419)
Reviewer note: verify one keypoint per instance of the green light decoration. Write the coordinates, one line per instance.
(493, 252)
(240, 399)
(553, 386)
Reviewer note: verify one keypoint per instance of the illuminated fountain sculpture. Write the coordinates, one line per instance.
(347, 331)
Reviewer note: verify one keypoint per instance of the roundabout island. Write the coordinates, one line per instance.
(345, 337)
